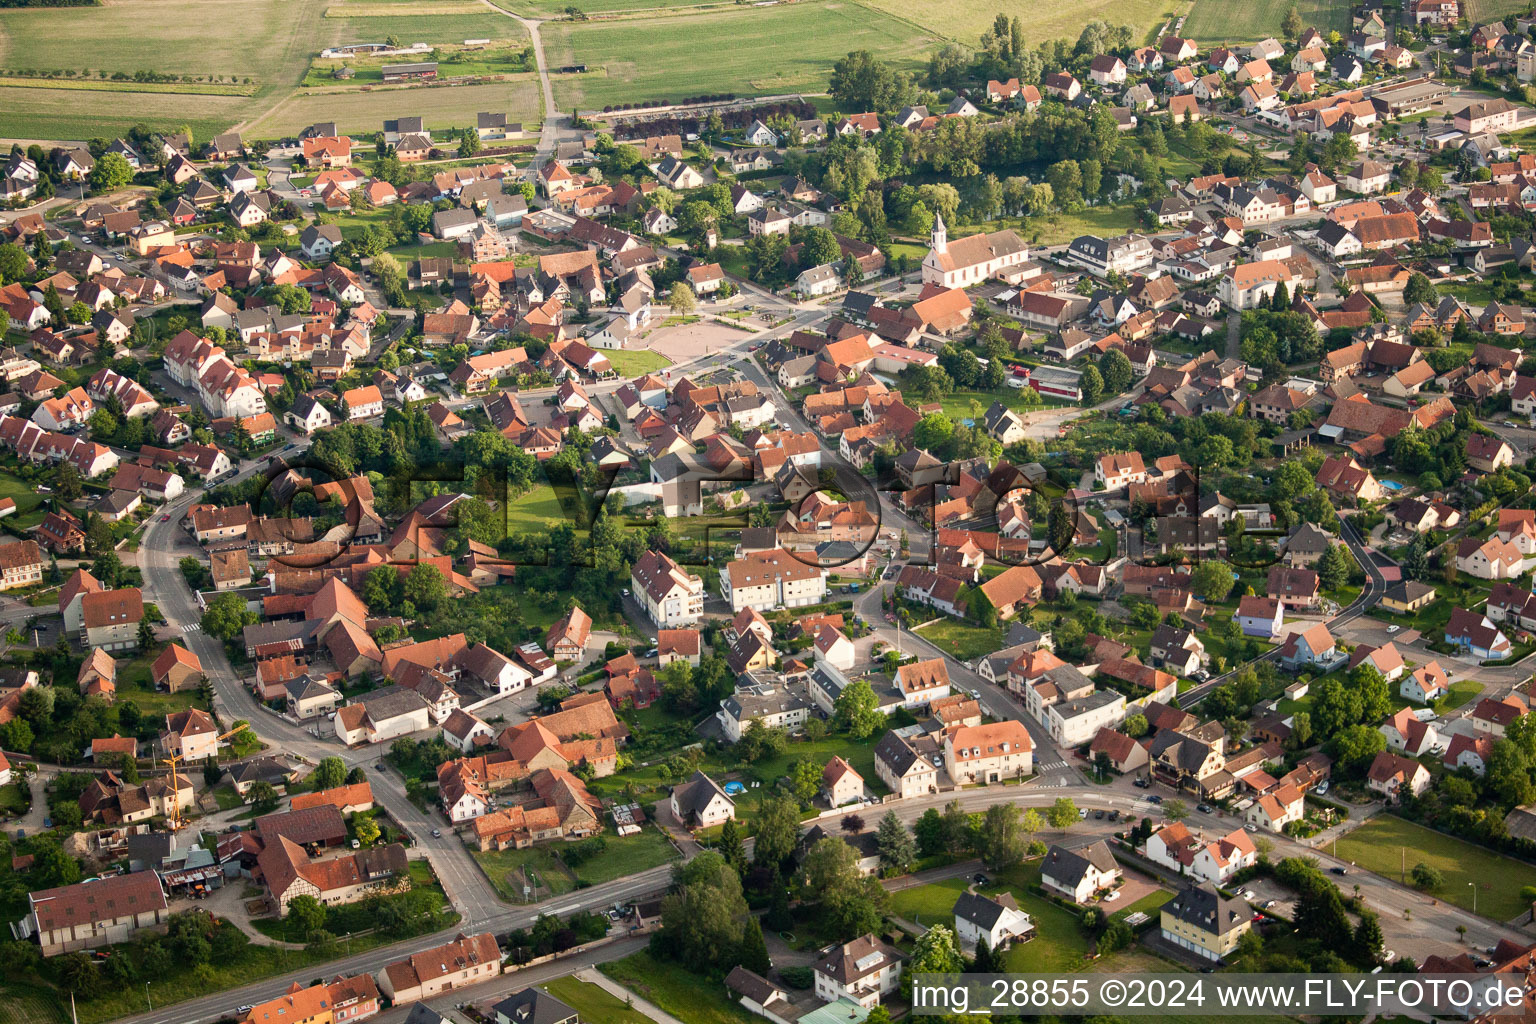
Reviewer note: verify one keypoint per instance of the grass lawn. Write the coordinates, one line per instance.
(677, 990)
(14, 798)
(964, 640)
(957, 404)
(592, 1002)
(504, 868)
(1251, 20)
(535, 512)
(227, 798)
(1378, 844)
(1060, 944)
(649, 779)
(929, 904)
(780, 49)
(633, 364)
(1461, 692)
(1146, 905)
(1095, 220)
(626, 855)
(22, 493)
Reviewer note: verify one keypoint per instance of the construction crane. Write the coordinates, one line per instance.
(173, 820)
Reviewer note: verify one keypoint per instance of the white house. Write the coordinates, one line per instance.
(1078, 874)
(996, 920)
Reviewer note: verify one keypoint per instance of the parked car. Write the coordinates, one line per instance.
(1203, 808)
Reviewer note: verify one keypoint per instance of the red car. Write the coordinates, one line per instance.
(165, 519)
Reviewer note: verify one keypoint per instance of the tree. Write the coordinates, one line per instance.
(1291, 25)
(425, 586)
(778, 828)
(850, 903)
(731, 846)
(818, 246)
(111, 172)
(1091, 384)
(469, 142)
(366, 829)
(681, 300)
(1333, 568)
(933, 431)
(1367, 939)
(1063, 813)
(305, 914)
(805, 780)
(929, 833)
(329, 773)
(1212, 580)
(753, 951)
(226, 617)
(898, 850)
(1420, 289)
(262, 796)
(1426, 877)
(1001, 839)
(861, 82)
(857, 710)
(1175, 810)
(1116, 371)
(381, 589)
(704, 916)
(13, 266)
(935, 952)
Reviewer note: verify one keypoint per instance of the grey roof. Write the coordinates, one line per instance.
(530, 1006)
(392, 702)
(329, 232)
(695, 794)
(983, 911)
(900, 756)
(308, 688)
(1205, 908)
(1069, 866)
(421, 1013)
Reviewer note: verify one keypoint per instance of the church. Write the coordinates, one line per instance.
(969, 261)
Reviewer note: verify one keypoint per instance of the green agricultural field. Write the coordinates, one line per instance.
(358, 112)
(474, 23)
(28, 1004)
(1379, 845)
(276, 41)
(1248, 21)
(1480, 11)
(598, 8)
(966, 20)
(784, 49)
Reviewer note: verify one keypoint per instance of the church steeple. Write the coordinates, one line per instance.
(939, 241)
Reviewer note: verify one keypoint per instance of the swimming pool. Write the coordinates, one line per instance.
(1392, 485)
